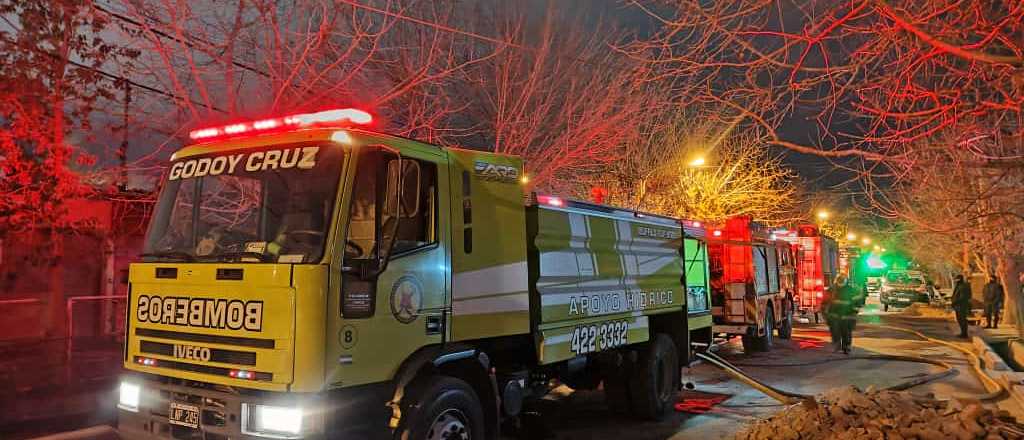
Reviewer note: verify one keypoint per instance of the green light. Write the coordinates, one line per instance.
(875, 262)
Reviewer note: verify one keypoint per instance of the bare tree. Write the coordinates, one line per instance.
(733, 174)
(559, 96)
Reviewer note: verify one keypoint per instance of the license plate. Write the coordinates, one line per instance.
(184, 415)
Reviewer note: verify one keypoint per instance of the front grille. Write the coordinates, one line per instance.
(200, 337)
(216, 354)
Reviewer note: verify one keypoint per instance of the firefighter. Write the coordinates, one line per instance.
(842, 309)
(994, 296)
(961, 303)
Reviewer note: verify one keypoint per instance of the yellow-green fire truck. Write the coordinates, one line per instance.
(306, 277)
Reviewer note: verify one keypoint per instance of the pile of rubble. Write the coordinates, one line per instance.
(926, 311)
(848, 413)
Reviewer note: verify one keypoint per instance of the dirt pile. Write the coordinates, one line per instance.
(926, 311)
(848, 413)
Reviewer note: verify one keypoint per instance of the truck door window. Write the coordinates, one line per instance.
(416, 215)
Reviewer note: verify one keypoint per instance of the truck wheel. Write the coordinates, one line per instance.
(764, 343)
(655, 379)
(786, 326)
(445, 408)
(616, 391)
(749, 343)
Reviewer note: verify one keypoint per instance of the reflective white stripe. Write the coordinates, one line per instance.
(507, 278)
(516, 302)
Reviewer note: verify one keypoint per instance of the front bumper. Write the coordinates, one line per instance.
(903, 299)
(220, 409)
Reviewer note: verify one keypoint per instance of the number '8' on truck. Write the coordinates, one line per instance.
(307, 277)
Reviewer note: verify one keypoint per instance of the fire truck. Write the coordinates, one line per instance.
(310, 277)
(817, 265)
(753, 279)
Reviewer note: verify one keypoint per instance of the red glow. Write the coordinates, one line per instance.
(328, 117)
(717, 233)
(242, 374)
(551, 200)
(819, 294)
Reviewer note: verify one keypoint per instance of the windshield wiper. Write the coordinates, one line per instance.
(174, 255)
(239, 255)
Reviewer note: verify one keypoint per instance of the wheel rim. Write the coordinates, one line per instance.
(449, 425)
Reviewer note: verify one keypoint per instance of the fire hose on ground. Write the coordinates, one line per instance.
(994, 389)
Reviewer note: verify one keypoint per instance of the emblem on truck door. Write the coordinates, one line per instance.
(406, 299)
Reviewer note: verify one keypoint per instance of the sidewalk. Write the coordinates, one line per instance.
(1002, 358)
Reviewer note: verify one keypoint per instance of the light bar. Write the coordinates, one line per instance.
(551, 200)
(326, 117)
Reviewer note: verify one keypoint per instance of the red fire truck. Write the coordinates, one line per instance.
(753, 280)
(817, 265)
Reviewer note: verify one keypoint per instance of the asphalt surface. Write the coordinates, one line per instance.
(583, 414)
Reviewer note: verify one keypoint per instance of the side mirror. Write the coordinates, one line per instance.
(391, 187)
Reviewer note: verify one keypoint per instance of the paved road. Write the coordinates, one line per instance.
(582, 415)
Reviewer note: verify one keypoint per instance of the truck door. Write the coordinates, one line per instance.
(387, 316)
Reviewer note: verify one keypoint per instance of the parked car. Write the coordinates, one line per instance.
(903, 288)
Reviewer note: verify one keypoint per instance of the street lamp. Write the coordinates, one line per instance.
(698, 162)
(850, 236)
(865, 241)
(823, 214)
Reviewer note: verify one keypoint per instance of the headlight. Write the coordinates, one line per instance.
(271, 421)
(129, 400)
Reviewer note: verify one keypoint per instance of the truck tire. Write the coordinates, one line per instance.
(654, 382)
(615, 375)
(786, 325)
(749, 343)
(764, 343)
(616, 391)
(443, 407)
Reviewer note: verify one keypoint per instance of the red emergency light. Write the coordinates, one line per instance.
(327, 117)
(242, 374)
(551, 200)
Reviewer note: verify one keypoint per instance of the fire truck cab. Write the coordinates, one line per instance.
(753, 280)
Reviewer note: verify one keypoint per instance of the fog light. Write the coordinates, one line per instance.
(129, 400)
(271, 421)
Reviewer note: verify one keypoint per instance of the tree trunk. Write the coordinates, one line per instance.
(56, 300)
(1013, 309)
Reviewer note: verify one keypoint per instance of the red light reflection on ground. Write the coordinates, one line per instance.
(699, 403)
(813, 339)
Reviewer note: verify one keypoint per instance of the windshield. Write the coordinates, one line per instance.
(255, 205)
(903, 278)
